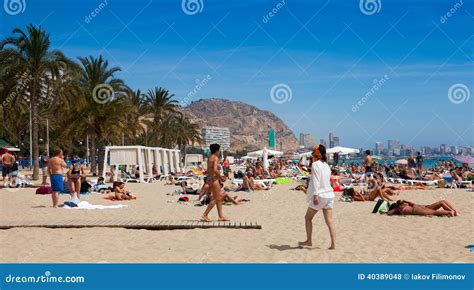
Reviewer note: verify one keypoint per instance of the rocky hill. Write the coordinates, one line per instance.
(248, 125)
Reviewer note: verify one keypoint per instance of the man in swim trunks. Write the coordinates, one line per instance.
(7, 161)
(55, 170)
(214, 179)
(368, 163)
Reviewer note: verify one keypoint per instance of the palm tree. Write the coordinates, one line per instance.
(100, 118)
(158, 104)
(28, 52)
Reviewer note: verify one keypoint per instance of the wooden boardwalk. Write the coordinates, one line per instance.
(147, 224)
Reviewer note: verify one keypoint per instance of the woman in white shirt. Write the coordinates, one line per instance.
(320, 196)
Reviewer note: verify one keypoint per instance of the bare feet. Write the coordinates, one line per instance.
(205, 219)
(224, 219)
(332, 247)
(305, 243)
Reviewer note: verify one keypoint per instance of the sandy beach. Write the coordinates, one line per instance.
(362, 237)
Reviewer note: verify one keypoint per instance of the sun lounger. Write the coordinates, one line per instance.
(126, 177)
(266, 183)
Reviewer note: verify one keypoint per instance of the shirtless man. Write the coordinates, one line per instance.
(7, 160)
(55, 170)
(214, 178)
(368, 163)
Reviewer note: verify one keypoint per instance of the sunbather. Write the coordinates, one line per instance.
(120, 193)
(369, 196)
(440, 208)
(101, 187)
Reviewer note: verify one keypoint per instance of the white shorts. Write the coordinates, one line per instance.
(45, 170)
(324, 203)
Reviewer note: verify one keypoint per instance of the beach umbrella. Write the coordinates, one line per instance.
(402, 161)
(465, 159)
(342, 150)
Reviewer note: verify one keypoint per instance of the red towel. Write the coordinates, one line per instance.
(112, 198)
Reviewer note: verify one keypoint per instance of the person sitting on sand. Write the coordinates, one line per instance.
(440, 208)
(336, 181)
(85, 185)
(171, 181)
(120, 193)
(456, 175)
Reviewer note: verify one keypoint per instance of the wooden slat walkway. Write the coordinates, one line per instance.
(132, 224)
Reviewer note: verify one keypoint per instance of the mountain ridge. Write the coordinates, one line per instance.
(248, 124)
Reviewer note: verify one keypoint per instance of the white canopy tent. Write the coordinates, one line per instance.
(260, 153)
(342, 150)
(165, 160)
(338, 149)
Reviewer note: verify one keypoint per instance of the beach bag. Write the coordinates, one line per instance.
(46, 189)
(381, 206)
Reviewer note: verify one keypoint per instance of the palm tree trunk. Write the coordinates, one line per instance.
(93, 154)
(34, 129)
(100, 153)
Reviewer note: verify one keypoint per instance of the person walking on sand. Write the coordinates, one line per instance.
(320, 196)
(214, 179)
(55, 170)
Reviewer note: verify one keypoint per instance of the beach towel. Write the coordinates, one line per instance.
(381, 206)
(87, 205)
(282, 180)
(112, 198)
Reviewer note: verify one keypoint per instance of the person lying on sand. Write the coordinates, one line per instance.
(369, 196)
(440, 208)
(101, 187)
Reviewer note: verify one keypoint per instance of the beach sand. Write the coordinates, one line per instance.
(362, 237)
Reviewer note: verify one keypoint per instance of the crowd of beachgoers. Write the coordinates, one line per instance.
(219, 182)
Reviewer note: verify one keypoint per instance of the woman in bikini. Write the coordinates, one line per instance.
(440, 208)
(336, 181)
(214, 178)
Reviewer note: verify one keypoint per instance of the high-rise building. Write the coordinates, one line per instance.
(333, 140)
(393, 147)
(307, 140)
(454, 150)
(322, 141)
(378, 148)
(442, 149)
(211, 135)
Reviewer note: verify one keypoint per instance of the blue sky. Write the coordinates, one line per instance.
(329, 53)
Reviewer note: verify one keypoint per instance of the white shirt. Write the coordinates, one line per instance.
(319, 182)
